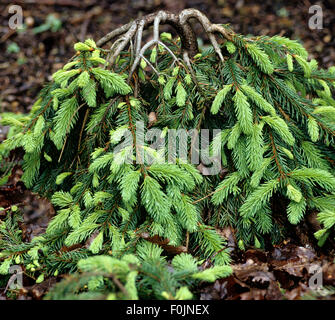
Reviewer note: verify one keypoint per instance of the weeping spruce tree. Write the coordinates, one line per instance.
(128, 229)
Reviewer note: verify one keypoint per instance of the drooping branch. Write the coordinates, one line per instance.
(132, 34)
(184, 30)
(209, 28)
(179, 22)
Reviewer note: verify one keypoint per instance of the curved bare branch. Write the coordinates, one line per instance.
(134, 31)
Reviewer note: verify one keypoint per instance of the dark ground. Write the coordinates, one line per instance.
(28, 59)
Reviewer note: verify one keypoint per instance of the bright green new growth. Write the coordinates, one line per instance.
(118, 219)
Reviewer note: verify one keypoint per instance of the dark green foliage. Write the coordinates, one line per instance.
(277, 120)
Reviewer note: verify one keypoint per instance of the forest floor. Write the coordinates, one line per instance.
(30, 56)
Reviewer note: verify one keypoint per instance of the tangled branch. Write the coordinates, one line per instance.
(133, 33)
